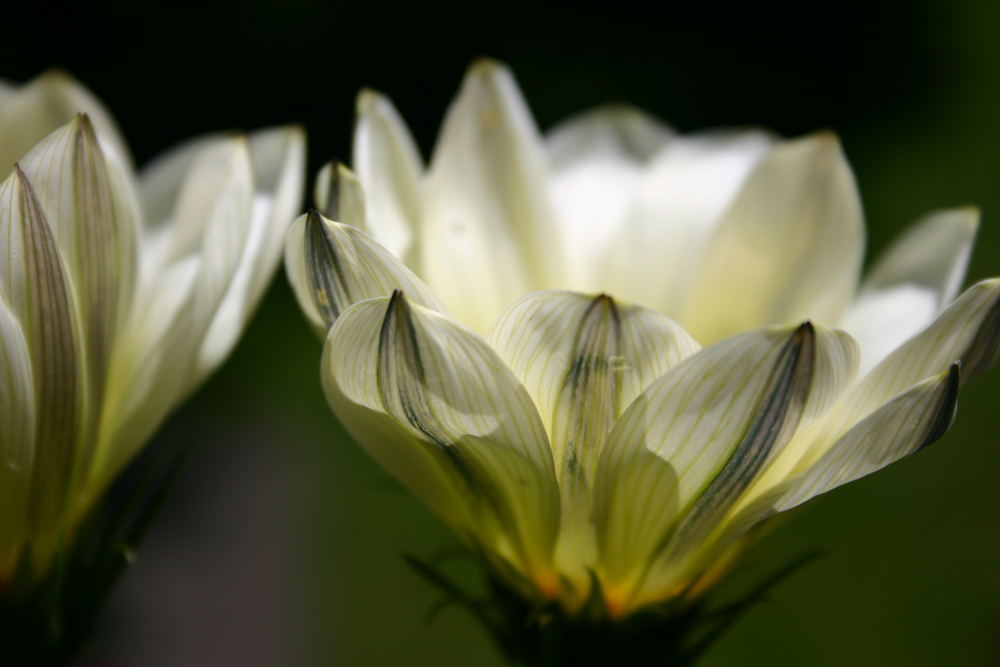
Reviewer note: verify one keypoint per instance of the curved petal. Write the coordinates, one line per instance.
(435, 405)
(714, 421)
(911, 282)
(583, 359)
(597, 160)
(93, 212)
(968, 332)
(161, 180)
(339, 196)
(911, 421)
(34, 285)
(17, 437)
(389, 167)
(331, 266)
(45, 104)
(205, 244)
(789, 247)
(278, 160)
(680, 199)
(488, 224)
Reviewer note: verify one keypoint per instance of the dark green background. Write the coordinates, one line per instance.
(281, 545)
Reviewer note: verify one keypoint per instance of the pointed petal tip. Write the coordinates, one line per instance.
(369, 100)
(485, 67)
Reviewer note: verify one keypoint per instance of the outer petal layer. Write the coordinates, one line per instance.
(437, 408)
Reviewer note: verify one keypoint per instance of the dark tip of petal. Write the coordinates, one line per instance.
(946, 404)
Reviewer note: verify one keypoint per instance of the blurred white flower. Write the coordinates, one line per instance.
(119, 293)
(739, 370)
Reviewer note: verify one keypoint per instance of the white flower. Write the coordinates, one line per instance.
(738, 371)
(119, 293)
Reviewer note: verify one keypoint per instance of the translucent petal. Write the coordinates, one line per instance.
(597, 160)
(331, 266)
(278, 160)
(34, 285)
(45, 104)
(437, 407)
(789, 247)
(917, 276)
(161, 180)
(680, 199)
(583, 359)
(17, 437)
(339, 196)
(911, 421)
(488, 226)
(92, 210)
(716, 419)
(390, 169)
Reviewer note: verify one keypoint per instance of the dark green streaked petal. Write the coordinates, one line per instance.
(332, 265)
(339, 196)
(34, 284)
(716, 419)
(583, 359)
(433, 403)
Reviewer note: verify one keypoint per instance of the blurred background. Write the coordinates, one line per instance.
(282, 543)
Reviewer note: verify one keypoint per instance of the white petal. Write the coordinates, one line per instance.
(434, 404)
(683, 193)
(911, 421)
(92, 209)
(583, 359)
(34, 285)
(331, 266)
(967, 332)
(788, 248)
(45, 104)
(881, 320)
(339, 197)
(17, 437)
(278, 159)
(389, 166)
(714, 421)
(488, 225)
(919, 273)
(206, 243)
(597, 159)
(162, 179)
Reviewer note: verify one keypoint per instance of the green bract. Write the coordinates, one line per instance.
(606, 354)
(119, 293)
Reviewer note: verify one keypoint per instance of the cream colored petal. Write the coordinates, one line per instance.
(488, 225)
(390, 169)
(917, 276)
(714, 421)
(911, 421)
(597, 160)
(45, 104)
(881, 320)
(967, 332)
(331, 266)
(278, 159)
(34, 286)
(680, 199)
(339, 197)
(93, 212)
(583, 359)
(17, 436)
(207, 243)
(789, 247)
(437, 407)
(161, 180)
